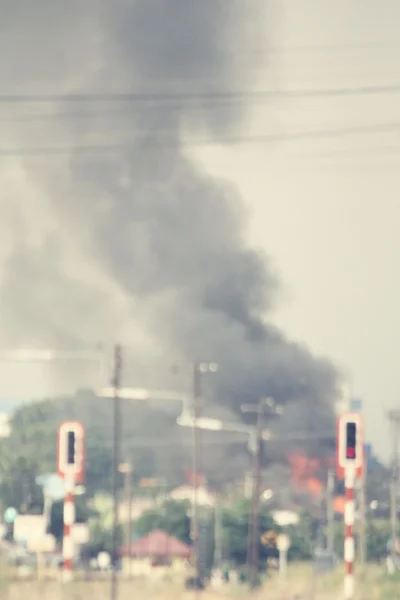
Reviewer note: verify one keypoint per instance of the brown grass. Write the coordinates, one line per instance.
(372, 584)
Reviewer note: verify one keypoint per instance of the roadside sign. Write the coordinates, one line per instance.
(29, 527)
(71, 451)
(45, 544)
(125, 468)
(269, 538)
(350, 448)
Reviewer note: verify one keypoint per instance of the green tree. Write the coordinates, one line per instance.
(235, 523)
(99, 463)
(101, 539)
(378, 534)
(302, 536)
(172, 517)
(18, 486)
(22, 457)
(83, 514)
(31, 451)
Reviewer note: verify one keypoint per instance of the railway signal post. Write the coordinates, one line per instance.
(70, 466)
(350, 466)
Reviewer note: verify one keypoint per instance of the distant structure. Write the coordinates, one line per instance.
(343, 403)
(186, 492)
(5, 425)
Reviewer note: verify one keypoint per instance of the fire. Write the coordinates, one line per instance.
(339, 504)
(308, 473)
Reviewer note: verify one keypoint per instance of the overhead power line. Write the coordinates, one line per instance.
(223, 95)
(371, 45)
(154, 139)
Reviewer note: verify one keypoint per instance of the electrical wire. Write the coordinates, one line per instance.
(203, 103)
(158, 141)
(145, 97)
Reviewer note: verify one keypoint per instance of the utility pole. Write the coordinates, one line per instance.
(218, 550)
(127, 469)
(129, 526)
(254, 529)
(394, 418)
(330, 515)
(260, 409)
(116, 382)
(199, 368)
(195, 466)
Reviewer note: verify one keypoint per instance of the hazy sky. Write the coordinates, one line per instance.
(326, 209)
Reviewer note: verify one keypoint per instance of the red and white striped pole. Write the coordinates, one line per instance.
(350, 465)
(70, 466)
(349, 546)
(69, 520)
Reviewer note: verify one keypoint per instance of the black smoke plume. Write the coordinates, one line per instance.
(133, 234)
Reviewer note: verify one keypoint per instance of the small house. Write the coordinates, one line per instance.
(156, 550)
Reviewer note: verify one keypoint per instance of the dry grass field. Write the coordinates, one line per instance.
(372, 584)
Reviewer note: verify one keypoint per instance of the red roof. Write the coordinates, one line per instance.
(157, 543)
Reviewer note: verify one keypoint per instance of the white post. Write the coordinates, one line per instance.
(283, 543)
(282, 564)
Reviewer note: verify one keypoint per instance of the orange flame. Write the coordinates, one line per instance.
(305, 473)
(339, 503)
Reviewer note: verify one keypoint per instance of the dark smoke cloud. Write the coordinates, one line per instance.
(161, 231)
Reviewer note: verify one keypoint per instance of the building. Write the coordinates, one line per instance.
(155, 551)
(137, 508)
(344, 398)
(5, 425)
(187, 492)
